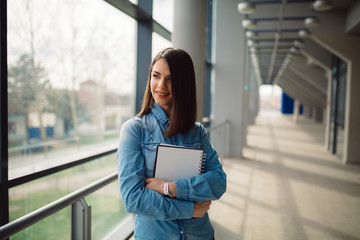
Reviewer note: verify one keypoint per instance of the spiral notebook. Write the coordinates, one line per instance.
(177, 162)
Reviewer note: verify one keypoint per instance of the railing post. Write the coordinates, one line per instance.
(80, 220)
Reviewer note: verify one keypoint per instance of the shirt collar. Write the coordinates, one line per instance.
(160, 114)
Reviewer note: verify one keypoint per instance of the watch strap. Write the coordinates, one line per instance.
(166, 189)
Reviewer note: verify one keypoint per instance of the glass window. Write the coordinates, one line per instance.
(159, 43)
(163, 12)
(71, 84)
(107, 208)
(340, 118)
(56, 226)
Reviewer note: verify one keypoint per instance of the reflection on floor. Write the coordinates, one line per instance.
(287, 186)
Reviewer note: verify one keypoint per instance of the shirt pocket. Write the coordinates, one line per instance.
(149, 152)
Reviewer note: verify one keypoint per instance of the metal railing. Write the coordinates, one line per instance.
(80, 212)
(219, 138)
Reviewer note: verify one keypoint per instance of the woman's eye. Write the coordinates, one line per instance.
(155, 76)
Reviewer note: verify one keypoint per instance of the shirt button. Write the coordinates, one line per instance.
(181, 232)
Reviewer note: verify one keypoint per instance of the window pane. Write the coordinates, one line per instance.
(107, 210)
(163, 12)
(340, 118)
(106, 205)
(71, 80)
(159, 43)
(56, 227)
(30, 196)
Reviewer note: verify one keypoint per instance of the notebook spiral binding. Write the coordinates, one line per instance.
(202, 163)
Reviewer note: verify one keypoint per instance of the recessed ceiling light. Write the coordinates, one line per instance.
(246, 8)
(248, 24)
(294, 50)
(303, 33)
(250, 34)
(311, 22)
(252, 43)
(298, 43)
(322, 5)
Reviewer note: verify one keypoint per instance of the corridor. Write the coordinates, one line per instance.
(287, 187)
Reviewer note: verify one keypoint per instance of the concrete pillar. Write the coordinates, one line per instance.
(189, 34)
(310, 112)
(318, 114)
(296, 111)
(228, 70)
(347, 47)
(327, 109)
(253, 98)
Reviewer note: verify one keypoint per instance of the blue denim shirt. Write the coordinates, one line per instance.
(158, 217)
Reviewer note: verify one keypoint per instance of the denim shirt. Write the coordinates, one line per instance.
(158, 217)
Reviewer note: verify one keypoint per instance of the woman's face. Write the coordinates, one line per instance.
(160, 85)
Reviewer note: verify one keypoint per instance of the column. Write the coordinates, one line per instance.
(189, 34)
(296, 111)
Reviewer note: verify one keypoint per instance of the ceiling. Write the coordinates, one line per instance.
(276, 35)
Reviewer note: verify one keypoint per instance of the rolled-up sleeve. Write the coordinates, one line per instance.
(131, 170)
(210, 185)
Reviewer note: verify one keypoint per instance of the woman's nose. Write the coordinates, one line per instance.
(162, 82)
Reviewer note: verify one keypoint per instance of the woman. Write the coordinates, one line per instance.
(168, 115)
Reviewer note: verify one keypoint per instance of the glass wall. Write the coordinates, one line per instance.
(163, 14)
(71, 84)
(163, 11)
(107, 207)
(341, 103)
(71, 68)
(338, 103)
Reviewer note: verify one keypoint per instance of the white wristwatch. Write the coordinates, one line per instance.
(166, 189)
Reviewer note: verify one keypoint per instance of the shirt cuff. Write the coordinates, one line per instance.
(187, 210)
(182, 190)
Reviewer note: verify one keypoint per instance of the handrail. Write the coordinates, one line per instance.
(218, 125)
(220, 138)
(86, 157)
(51, 208)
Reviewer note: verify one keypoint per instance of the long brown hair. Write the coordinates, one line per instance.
(183, 88)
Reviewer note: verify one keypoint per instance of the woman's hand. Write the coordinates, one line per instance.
(201, 208)
(157, 185)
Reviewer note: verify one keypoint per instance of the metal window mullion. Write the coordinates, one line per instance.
(208, 63)
(4, 186)
(144, 45)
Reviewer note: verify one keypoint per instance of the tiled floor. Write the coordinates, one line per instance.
(287, 187)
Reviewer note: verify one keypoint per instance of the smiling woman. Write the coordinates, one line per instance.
(168, 115)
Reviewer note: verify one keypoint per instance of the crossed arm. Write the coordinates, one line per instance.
(144, 196)
(157, 185)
